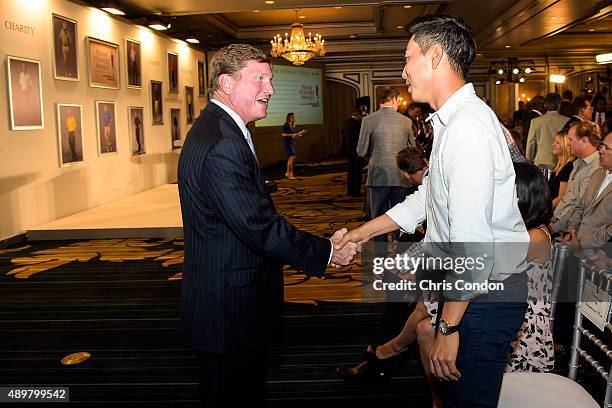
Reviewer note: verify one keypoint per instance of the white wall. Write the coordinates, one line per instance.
(34, 189)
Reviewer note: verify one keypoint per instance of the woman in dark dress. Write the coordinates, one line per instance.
(565, 164)
(289, 136)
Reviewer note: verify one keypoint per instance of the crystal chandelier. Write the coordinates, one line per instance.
(297, 48)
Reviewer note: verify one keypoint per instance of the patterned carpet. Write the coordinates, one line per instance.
(316, 204)
(118, 299)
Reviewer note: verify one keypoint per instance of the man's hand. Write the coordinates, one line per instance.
(443, 357)
(571, 241)
(356, 236)
(343, 255)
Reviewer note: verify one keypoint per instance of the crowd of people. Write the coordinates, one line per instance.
(459, 183)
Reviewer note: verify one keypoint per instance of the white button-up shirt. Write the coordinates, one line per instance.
(469, 195)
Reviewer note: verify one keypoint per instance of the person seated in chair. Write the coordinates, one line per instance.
(590, 225)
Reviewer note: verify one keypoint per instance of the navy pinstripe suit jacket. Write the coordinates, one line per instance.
(235, 241)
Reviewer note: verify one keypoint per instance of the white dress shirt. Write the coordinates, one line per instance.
(469, 194)
(239, 122)
(607, 180)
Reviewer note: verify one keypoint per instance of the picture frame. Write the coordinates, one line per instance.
(133, 64)
(70, 134)
(106, 126)
(201, 70)
(25, 93)
(157, 108)
(103, 63)
(136, 126)
(189, 104)
(173, 72)
(65, 48)
(175, 128)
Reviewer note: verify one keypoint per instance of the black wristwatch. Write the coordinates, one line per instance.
(446, 329)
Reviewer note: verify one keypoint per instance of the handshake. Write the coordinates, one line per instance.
(346, 246)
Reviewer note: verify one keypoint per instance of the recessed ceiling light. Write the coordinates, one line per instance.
(399, 27)
(114, 11)
(255, 11)
(508, 46)
(479, 55)
(192, 40)
(553, 17)
(352, 36)
(407, 7)
(591, 29)
(301, 16)
(269, 2)
(337, 7)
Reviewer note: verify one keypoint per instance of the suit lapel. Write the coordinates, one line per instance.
(598, 178)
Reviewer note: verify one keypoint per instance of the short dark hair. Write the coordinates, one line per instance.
(231, 59)
(566, 108)
(567, 94)
(538, 102)
(454, 36)
(552, 101)
(534, 201)
(411, 160)
(386, 94)
(579, 103)
(288, 116)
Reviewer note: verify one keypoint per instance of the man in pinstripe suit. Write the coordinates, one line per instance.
(235, 241)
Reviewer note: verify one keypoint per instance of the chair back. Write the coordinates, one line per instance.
(593, 297)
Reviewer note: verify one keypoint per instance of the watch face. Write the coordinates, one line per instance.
(443, 327)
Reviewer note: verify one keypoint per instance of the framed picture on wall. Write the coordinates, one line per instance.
(173, 76)
(201, 78)
(189, 109)
(156, 103)
(25, 93)
(106, 126)
(136, 125)
(175, 128)
(65, 49)
(69, 134)
(103, 63)
(133, 63)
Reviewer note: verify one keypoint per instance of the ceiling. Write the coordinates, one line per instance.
(355, 28)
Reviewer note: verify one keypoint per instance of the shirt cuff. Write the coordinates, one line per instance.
(331, 252)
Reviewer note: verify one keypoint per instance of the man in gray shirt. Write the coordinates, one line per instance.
(383, 134)
(584, 137)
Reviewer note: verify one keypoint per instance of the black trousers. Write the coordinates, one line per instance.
(353, 176)
(233, 379)
(382, 198)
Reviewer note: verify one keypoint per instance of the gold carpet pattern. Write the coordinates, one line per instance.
(317, 204)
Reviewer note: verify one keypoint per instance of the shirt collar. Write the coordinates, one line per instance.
(591, 157)
(233, 115)
(450, 106)
(539, 113)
